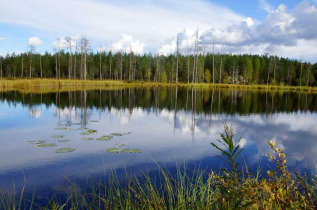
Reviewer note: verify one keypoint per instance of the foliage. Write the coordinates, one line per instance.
(246, 69)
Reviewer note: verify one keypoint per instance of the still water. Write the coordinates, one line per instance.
(166, 125)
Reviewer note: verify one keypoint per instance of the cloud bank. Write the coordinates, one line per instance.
(152, 26)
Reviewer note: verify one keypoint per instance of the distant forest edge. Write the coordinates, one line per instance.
(198, 67)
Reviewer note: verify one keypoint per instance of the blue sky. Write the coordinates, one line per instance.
(283, 28)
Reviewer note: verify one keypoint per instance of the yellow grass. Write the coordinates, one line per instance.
(48, 85)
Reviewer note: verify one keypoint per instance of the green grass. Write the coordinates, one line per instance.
(228, 188)
(50, 85)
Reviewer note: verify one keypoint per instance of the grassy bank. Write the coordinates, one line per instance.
(227, 188)
(65, 84)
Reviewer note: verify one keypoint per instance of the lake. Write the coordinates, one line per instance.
(166, 125)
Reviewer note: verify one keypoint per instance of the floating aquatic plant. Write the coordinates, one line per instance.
(127, 150)
(120, 134)
(119, 145)
(64, 140)
(65, 150)
(83, 128)
(88, 139)
(36, 142)
(94, 120)
(114, 150)
(44, 145)
(104, 138)
(58, 136)
(117, 134)
(64, 128)
(89, 131)
(66, 124)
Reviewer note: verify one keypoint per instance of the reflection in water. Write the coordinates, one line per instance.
(166, 124)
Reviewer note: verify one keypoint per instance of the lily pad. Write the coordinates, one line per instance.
(58, 136)
(104, 138)
(44, 145)
(84, 128)
(127, 133)
(89, 131)
(114, 150)
(120, 145)
(63, 128)
(131, 150)
(117, 134)
(66, 124)
(36, 142)
(64, 140)
(65, 150)
(87, 139)
(94, 120)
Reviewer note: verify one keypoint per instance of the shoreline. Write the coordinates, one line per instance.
(36, 84)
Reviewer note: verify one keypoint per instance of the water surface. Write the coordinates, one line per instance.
(167, 125)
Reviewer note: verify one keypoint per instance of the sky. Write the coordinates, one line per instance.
(282, 28)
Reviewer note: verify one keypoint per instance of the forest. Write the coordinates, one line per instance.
(197, 67)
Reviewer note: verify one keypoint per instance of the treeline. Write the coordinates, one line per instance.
(198, 67)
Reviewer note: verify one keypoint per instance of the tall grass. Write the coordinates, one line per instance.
(69, 84)
(227, 188)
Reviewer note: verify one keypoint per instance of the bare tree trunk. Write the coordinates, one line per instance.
(59, 64)
(69, 41)
(1, 68)
(120, 65)
(41, 66)
(22, 67)
(31, 54)
(213, 62)
(274, 68)
(301, 70)
(56, 65)
(130, 64)
(220, 68)
(177, 52)
(110, 64)
(100, 63)
(188, 69)
(268, 73)
(75, 62)
(308, 71)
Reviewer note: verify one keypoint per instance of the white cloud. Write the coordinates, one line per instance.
(105, 21)
(34, 41)
(284, 32)
(126, 44)
(265, 5)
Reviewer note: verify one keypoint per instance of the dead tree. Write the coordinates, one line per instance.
(213, 62)
(100, 63)
(22, 66)
(301, 70)
(75, 62)
(177, 53)
(110, 62)
(220, 70)
(1, 60)
(32, 49)
(69, 46)
(41, 65)
(84, 46)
